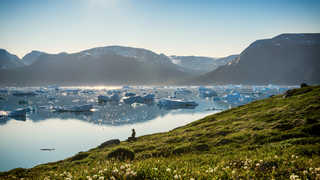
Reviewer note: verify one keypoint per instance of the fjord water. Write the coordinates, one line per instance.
(21, 141)
(68, 132)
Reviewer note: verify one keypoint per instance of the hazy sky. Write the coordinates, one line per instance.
(174, 27)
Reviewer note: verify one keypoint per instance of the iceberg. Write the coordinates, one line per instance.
(182, 91)
(175, 104)
(4, 91)
(77, 108)
(232, 98)
(24, 93)
(139, 99)
(72, 91)
(112, 98)
(3, 114)
(21, 112)
(207, 92)
(148, 98)
(129, 94)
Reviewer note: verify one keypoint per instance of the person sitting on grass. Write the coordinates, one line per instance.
(133, 136)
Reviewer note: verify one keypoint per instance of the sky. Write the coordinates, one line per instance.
(213, 28)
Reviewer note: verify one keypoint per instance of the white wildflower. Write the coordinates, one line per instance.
(294, 177)
(115, 170)
(215, 169)
(177, 176)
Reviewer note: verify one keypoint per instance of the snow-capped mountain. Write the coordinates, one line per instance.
(9, 61)
(31, 57)
(106, 65)
(200, 64)
(141, 55)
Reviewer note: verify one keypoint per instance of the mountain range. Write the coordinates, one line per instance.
(199, 64)
(101, 65)
(284, 59)
(9, 61)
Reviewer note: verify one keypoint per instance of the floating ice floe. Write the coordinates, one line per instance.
(71, 91)
(139, 99)
(24, 93)
(112, 98)
(129, 94)
(4, 91)
(21, 112)
(88, 91)
(207, 92)
(182, 91)
(3, 114)
(175, 104)
(77, 108)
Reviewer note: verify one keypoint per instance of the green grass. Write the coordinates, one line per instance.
(275, 138)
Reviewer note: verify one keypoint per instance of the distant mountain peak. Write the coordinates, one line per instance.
(31, 57)
(140, 54)
(8, 60)
(200, 64)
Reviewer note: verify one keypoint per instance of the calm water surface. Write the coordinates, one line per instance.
(21, 141)
(69, 133)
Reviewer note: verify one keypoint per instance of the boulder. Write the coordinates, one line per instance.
(109, 143)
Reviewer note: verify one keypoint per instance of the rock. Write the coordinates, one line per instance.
(295, 92)
(302, 85)
(109, 143)
(79, 156)
(121, 154)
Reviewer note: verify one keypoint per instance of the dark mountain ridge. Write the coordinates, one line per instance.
(77, 68)
(9, 61)
(284, 59)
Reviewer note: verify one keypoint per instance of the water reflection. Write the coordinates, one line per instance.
(41, 106)
(69, 132)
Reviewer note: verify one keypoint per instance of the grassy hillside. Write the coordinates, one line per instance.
(275, 138)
